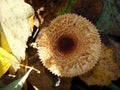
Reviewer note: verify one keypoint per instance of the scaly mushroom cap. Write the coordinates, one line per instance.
(69, 46)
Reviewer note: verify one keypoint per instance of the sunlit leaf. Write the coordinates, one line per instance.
(14, 26)
(31, 23)
(5, 61)
(17, 84)
(3, 41)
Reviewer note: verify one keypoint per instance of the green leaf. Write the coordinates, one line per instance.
(17, 84)
(66, 8)
(113, 87)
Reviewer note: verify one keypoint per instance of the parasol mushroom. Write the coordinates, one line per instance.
(69, 46)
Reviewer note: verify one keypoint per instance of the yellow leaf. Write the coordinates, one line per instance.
(5, 61)
(106, 70)
(31, 22)
(3, 41)
(14, 26)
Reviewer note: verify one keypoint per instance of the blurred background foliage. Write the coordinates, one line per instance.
(109, 20)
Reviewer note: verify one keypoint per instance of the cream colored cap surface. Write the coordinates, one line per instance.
(69, 46)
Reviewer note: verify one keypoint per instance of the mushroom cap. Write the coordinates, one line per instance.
(69, 46)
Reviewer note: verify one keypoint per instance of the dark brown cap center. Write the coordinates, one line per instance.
(65, 44)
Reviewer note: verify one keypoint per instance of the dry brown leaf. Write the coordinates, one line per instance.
(106, 70)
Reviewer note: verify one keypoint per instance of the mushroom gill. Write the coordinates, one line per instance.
(69, 46)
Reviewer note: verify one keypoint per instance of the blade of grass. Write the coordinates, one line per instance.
(17, 84)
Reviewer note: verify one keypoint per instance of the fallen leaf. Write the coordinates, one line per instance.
(116, 49)
(15, 28)
(31, 22)
(106, 70)
(5, 61)
(3, 41)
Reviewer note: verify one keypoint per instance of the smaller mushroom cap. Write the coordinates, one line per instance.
(69, 46)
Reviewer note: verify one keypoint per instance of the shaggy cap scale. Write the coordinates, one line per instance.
(69, 46)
